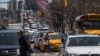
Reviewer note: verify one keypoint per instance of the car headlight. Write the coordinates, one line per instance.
(18, 51)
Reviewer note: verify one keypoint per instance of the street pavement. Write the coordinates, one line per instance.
(46, 53)
(36, 52)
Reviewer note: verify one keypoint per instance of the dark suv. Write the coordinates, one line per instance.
(9, 44)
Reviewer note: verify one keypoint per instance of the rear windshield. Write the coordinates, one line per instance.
(9, 39)
(54, 36)
(43, 29)
(89, 24)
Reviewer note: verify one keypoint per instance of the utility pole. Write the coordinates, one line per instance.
(65, 17)
(65, 3)
(21, 12)
(11, 10)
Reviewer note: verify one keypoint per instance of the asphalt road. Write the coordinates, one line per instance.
(46, 53)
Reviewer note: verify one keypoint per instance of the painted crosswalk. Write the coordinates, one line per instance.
(36, 52)
(47, 53)
(44, 54)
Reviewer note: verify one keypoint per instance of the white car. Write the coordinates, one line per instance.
(81, 45)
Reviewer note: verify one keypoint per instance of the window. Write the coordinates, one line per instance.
(8, 39)
(84, 41)
(43, 29)
(54, 36)
(89, 24)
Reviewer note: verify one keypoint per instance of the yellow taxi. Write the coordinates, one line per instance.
(50, 41)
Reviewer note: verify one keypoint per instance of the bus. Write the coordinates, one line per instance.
(87, 24)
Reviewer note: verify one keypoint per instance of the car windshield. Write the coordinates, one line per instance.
(9, 39)
(89, 24)
(43, 29)
(54, 36)
(26, 25)
(84, 41)
(34, 28)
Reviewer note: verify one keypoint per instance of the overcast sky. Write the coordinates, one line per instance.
(3, 5)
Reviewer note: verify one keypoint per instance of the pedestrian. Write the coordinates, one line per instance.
(24, 45)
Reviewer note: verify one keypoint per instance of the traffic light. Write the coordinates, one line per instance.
(11, 6)
(65, 3)
(38, 13)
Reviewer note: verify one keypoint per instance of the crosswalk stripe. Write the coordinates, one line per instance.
(55, 53)
(45, 53)
(33, 54)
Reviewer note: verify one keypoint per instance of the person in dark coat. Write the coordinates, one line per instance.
(24, 45)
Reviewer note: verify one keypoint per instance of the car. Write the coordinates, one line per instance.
(38, 38)
(26, 27)
(33, 26)
(80, 45)
(32, 35)
(50, 40)
(9, 44)
(44, 29)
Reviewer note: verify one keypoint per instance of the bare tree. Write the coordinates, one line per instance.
(79, 7)
(73, 9)
(58, 10)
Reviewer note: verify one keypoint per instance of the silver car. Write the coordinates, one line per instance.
(9, 44)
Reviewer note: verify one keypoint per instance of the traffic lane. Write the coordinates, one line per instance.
(36, 52)
(46, 53)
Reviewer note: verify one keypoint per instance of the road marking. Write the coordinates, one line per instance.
(33, 54)
(55, 53)
(45, 53)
